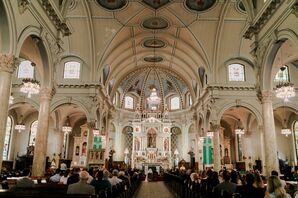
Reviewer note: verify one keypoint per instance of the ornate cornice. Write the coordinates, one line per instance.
(256, 27)
(82, 86)
(265, 96)
(57, 21)
(8, 63)
(232, 88)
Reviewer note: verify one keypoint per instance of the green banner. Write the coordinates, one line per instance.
(207, 151)
(97, 142)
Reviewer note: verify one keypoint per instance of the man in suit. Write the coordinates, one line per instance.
(81, 187)
(226, 188)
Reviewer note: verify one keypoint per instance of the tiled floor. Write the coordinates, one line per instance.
(153, 190)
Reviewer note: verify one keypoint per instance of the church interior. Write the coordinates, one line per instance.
(149, 85)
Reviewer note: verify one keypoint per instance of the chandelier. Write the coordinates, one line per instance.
(285, 90)
(30, 86)
(11, 98)
(20, 126)
(209, 134)
(286, 132)
(153, 99)
(239, 130)
(67, 128)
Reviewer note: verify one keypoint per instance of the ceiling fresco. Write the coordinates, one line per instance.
(165, 81)
(199, 5)
(155, 23)
(154, 43)
(112, 4)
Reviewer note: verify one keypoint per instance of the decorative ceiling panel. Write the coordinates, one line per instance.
(155, 23)
(156, 4)
(112, 4)
(199, 5)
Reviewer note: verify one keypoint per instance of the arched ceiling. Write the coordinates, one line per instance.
(141, 81)
(177, 35)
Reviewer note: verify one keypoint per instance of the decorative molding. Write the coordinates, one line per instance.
(232, 88)
(256, 27)
(8, 63)
(265, 96)
(55, 46)
(23, 5)
(295, 9)
(57, 21)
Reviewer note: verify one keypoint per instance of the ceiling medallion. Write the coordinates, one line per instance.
(112, 4)
(155, 23)
(154, 43)
(199, 5)
(156, 4)
(153, 59)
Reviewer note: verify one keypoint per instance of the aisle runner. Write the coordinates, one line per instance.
(153, 190)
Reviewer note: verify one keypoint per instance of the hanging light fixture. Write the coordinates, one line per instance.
(284, 130)
(239, 130)
(67, 128)
(284, 89)
(11, 98)
(20, 126)
(153, 99)
(30, 86)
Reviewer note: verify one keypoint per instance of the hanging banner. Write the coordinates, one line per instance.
(99, 142)
(207, 151)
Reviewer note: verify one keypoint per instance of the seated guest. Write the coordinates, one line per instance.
(81, 187)
(100, 184)
(25, 181)
(275, 189)
(56, 178)
(74, 177)
(64, 178)
(249, 190)
(115, 180)
(122, 176)
(226, 188)
(275, 173)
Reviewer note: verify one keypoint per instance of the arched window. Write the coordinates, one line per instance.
(174, 103)
(7, 138)
(33, 130)
(282, 74)
(26, 70)
(72, 70)
(128, 102)
(236, 72)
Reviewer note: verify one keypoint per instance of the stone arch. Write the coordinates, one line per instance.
(20, 101)
(270, 55)
(65, 101)
(8, 30)
(45, 56)
(248, 106)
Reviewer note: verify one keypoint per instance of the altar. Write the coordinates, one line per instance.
(151, 141)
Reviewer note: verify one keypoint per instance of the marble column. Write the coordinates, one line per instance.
(185, 146)
(91, 126)
(60, 142)
(7, 66)
(270, 145)
(216, 147)
(262, 154)
(119, 150)
(41, 142)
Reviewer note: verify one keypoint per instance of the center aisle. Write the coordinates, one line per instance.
(153, 190)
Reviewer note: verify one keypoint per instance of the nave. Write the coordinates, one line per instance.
(153, 190)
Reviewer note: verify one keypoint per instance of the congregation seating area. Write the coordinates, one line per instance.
(120, 190)
(182, 186)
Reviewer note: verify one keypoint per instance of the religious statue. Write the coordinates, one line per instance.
(151, 140)
(137, 144)
(166, 144)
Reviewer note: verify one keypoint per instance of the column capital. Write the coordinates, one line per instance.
(91, 124)
(214, 127)
(46, 93)
(8, 63)
(266, 96)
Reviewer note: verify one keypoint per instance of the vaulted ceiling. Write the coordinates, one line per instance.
(180, 36)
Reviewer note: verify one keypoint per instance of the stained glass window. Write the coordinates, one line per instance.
(128, 103)
(26, 70)
(236, 72)
(175, 103)
(33, 130)
(72, 70)
(7, 138)
(282, 74)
